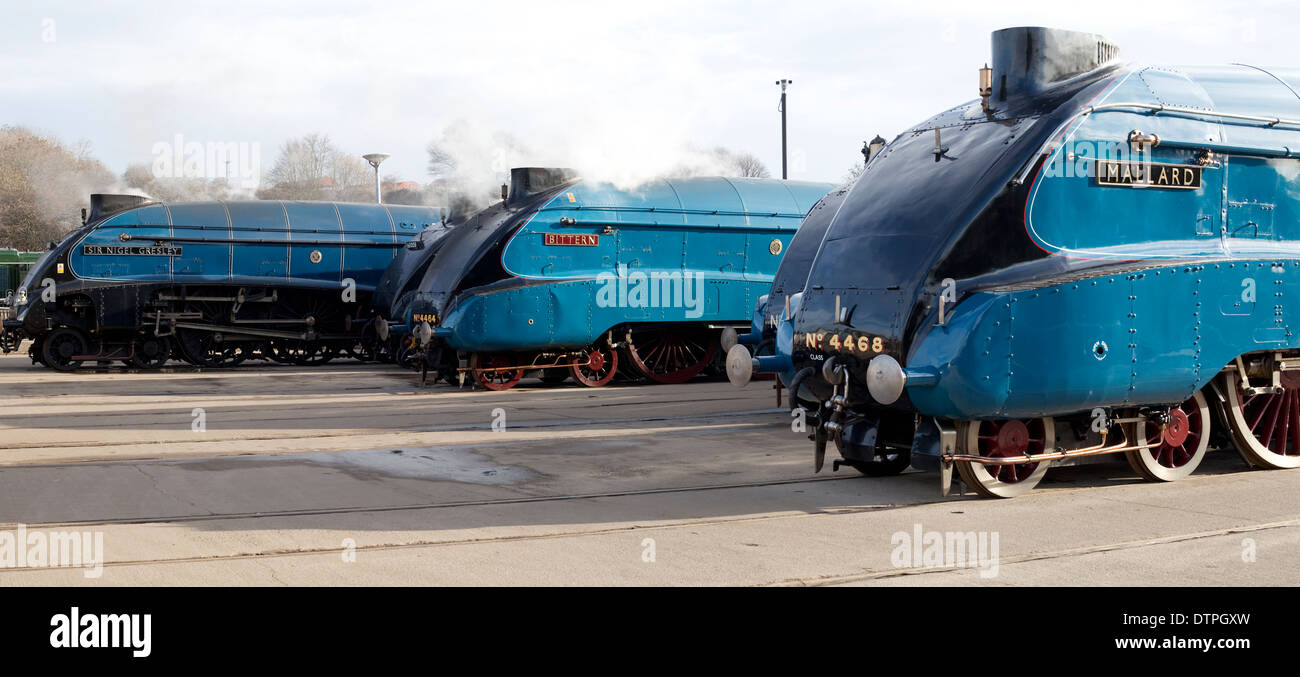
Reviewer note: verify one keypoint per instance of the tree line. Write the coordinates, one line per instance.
(45, 183)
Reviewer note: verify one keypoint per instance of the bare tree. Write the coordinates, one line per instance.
(312, 168)
(442, 163)
(854, 172)
(748, 165)
(468, 164)
(43, 186)
(721, 161)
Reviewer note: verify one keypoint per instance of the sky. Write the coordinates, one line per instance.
(615, 88)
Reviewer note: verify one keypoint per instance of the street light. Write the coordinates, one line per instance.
(784, 166)
(374, 159)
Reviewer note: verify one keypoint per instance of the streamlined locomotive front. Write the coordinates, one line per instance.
(1062, 269)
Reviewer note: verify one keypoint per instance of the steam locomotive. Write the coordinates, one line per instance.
(1091, 258)
(212, 283)
(572, 278)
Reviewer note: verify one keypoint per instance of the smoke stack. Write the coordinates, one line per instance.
(525, 181)
(1028, 60)
(103, 205)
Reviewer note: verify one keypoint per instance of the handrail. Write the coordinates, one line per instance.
(252, 229)
(295, 243)
(1161, 108)
(1272, 122)
(661, 210)
(680, 226)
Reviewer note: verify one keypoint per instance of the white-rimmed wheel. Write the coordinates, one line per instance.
(1266, 427)
(1178, 448)
(1003, 439)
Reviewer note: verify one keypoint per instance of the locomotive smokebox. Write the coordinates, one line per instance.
(104, 204)
(1028, 60)
(525, 181)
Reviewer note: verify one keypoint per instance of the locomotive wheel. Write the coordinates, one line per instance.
(302, 353)
(1266, 428)
(179, 352)
(999, 439)
(207, 349)
(234, 354)
(602, 364)
(279, 351)
(151, 352)
(60, 347)
(479, 363)
(362, 351)
(189, 344)
(258, 350)
(312, 354)
(1180, 446)
(368, 347)
(671, 355)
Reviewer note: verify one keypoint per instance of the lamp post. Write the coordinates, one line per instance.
(785, 173)
(374, 159)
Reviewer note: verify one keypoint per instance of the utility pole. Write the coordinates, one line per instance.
(785, 167)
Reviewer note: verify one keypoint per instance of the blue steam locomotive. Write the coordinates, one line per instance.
(1091, 258)
(212, 283)
(572, 278)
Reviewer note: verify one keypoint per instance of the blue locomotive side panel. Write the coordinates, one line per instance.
(1052, 350)
(595, 256)
(103, 255)
(568, 314)
(314, 224)
(254, 223)
(199, 261)
(256, 242)
(1221, 204)
(361, 263)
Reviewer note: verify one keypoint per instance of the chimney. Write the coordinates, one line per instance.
(104, 204)
(525, 181)
(1028, 60)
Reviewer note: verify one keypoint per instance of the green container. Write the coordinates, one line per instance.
(13, 268)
